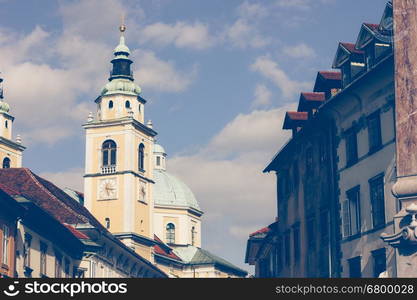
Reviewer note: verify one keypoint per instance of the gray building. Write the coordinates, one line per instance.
(334, 176)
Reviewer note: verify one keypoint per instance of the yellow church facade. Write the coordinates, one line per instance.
(126, 184)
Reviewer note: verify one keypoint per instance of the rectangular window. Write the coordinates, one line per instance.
(44, 249)
(158, 161)
(26, 250)
(296, 243)
(380, 261)
(355, 267)
(346, 74)
(346, 218)
(113, 157)
(5, 244)
(351, 147)
(105, 158)
(58, 265)
(376, 186)
(354, 210)
(374, 132)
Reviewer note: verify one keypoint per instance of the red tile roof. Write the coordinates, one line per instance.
(297, 115)
(76, 233)
(170, 254)
(47, 196)
(260, 231)
(164, 250)
(314, 96)
(331, 75)
(373, 27)
(8, 190)
(351, 48)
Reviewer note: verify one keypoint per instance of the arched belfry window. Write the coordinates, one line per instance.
(170, 233)
(111, 104)
(141, 157)
(127, 104)
(109, 150)
(6, 163)
(193, 236)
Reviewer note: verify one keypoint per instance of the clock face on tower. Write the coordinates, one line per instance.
(142, 191)
(107, 189)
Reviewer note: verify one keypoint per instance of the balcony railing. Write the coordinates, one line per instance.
(108, 169)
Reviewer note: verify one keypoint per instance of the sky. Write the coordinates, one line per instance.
(218, 77)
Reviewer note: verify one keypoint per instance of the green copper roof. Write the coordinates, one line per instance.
(197, 256)
(158, 149)
(121, 85)
(4, 107)
(170, 191)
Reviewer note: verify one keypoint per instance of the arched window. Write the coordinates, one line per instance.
(6, 163)
(107, 220)
(141, 157)
(110, 104)
(170, 233)
(127, 104)
(193, 235)
(109, 153)
(6, 124)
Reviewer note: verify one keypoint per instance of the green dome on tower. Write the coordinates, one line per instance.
(121, 79)
(4, 107)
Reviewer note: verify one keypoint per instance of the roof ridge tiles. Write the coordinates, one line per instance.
(43, 188)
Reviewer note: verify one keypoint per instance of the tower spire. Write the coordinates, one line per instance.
(122, 26)
(1, 87)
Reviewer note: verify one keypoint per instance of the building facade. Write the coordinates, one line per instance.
(348, 143)
(9, 215)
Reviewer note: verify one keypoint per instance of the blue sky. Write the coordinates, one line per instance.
(218, 76)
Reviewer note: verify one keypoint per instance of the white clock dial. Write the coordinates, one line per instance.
(107, 189)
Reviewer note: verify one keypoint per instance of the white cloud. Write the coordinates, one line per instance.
(227, 180)
(252, 10)
(52, 79)
(301, 4)
(154, 73)
(180, 34)
(298, 4)
(241, 34)
(271, 70)
(262, 96)
(244, 32)
(299, 51)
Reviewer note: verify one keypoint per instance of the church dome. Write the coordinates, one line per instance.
(4, 107)
(168, 189)
(121, 85)
(158, 149)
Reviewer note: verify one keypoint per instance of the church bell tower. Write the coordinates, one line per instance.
(118, 163)
(11, 152)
